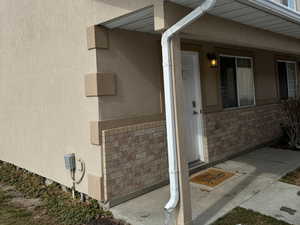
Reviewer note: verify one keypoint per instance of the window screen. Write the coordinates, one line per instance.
(228, 82)
(287, 79)
(237, 84)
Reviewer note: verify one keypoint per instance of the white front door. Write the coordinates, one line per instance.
(192, 106)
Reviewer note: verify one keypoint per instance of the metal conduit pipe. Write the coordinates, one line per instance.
(169, 97)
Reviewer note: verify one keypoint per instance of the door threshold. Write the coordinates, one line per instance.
(195, 167)
(195, 163)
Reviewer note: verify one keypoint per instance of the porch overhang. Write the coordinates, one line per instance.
(262, 14)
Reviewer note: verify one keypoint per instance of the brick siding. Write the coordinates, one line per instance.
(233, 131)
(135, 157)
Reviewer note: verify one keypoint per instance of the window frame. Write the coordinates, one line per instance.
(296, 75)
(290, 3)
(237, 88)
(294, 3)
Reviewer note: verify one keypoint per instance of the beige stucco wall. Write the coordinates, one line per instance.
(43, 59)
(265, 77)
(135, 59)
(44, 113)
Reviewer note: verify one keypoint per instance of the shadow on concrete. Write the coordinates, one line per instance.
(272, 165)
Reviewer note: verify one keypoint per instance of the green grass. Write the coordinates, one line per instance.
(247, 217)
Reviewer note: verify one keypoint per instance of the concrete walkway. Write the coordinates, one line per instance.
(280, 200)
(255, 186)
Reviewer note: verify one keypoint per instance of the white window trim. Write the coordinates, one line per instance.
(296, 73)
(253, 83)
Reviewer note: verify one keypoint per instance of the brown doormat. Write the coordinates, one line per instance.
(212, 177)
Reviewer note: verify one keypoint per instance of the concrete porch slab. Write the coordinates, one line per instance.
(144, 210)
(266, 162)
(255, 173)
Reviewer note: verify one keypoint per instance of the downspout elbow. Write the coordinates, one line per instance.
(166, 45)
(166, 37)
(172, 203)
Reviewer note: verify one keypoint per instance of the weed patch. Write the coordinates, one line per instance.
(292, 177)
(56, 203)
(247, 217)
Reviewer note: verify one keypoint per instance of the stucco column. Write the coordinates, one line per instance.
(184, 212)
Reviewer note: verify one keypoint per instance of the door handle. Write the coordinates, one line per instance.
(195, 112)
(194, 104)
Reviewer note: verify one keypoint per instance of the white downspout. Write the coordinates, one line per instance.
(169, 95)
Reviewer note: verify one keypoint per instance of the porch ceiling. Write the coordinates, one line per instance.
(263, 14)
(141, 20)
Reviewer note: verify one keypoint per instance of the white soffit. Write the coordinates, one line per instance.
(263, 14)
(141, 20)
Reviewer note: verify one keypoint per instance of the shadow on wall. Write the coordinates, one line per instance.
(135, 59)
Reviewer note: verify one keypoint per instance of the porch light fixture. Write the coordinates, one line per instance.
(213, 60)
